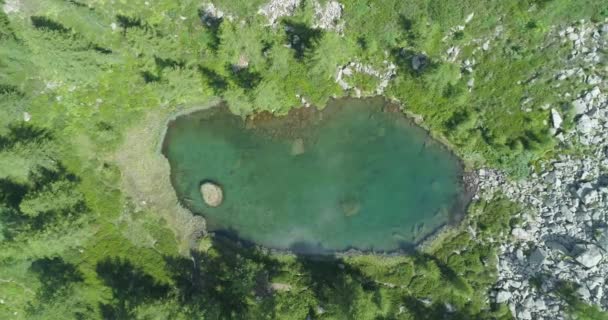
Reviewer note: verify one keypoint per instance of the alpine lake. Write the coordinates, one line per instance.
(356, 175)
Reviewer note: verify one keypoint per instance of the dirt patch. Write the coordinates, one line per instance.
(146, 179)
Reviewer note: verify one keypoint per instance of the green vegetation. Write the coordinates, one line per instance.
(99, 77)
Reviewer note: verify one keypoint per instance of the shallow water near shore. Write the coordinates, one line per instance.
(356, 175)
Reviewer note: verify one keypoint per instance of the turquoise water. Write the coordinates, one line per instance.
(355, 175)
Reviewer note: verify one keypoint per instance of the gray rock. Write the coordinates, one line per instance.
(539, 305)
(524, 314)
(601, 238)
(503, 296)
(590, 256)
(486, 46)
(593, 80)
(537, 258)
(580, 106)
(584, 292)
(556, 246)
(590, 197)
(419, 62)
(586, 125)
(520, 234)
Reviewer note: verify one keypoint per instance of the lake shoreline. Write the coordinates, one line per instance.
(468, 178)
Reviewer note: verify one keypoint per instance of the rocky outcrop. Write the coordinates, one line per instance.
(212, 194)
(562, 236)
(275, 9)
(328, 16)
(11, 6)
(384, 76)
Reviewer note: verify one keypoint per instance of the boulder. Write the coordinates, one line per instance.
(537, 258)
(212, 194)
(520, 234)
(580, 106)
(419, 62)
(586, 124)
(503, 296)
(590, 256)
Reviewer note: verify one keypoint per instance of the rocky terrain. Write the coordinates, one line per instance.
(563, 234)
(327, 16)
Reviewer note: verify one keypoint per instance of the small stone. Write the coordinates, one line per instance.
(212, 194)
(320, 310)
(556, 119)
(27, 117)
(469, 17)
(486, 46)
(471, 83)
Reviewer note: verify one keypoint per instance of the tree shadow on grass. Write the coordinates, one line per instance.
(336, 284)
(212, 23)
(46, 24)
(244, 77)
(301, 38)
(131, 287)
(23, 133)
(216, 81)
(404, 59)
(422, 310)
(447, 273)
(55, 275)
(220, 283)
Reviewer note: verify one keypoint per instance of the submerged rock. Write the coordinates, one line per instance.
(212, 194)
(297, 147)
(350, 207)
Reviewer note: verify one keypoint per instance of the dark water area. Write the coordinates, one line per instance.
(355, 175)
